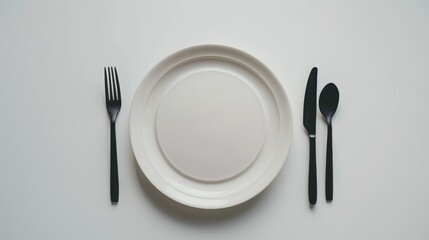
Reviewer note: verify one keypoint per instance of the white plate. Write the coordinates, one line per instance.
(210, 126)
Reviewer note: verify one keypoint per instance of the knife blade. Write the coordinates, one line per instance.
(310, 105)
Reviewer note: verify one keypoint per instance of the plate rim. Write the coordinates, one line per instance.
(283, 149)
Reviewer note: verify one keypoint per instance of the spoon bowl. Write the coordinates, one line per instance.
(328, 101)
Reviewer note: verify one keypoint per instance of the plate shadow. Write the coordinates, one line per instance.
(192, 215)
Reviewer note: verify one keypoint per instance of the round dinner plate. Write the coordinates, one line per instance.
(210, 126)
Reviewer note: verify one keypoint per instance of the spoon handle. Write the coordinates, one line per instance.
(329, 172)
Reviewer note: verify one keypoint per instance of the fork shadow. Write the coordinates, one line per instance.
(192, 215)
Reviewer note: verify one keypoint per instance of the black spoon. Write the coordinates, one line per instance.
(328, 103)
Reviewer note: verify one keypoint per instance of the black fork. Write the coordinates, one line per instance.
(113, 104)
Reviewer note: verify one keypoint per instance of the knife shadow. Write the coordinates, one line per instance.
(192, 215)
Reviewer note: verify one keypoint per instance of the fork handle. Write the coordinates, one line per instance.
(114, 178)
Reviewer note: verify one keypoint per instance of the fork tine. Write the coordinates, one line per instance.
(117, 86)
(105, 85)
(110, 85)
(114, 80)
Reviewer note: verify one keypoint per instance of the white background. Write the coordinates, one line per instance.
(54, 128)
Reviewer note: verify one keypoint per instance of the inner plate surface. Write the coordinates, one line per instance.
(210, 126)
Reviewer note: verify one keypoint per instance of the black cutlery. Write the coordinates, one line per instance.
(310, 102)
(113, 103)
(328, 103)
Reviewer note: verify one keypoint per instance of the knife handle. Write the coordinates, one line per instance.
(312, 176)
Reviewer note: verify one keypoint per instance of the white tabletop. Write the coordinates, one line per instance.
(54, 131)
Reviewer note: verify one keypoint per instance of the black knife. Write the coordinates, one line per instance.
(310, 102)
